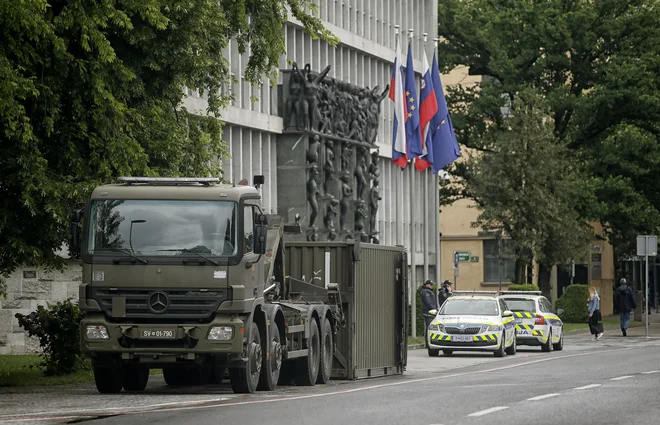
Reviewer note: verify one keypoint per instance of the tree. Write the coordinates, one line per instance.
(527, 186)
(596, 63)
(90, 90)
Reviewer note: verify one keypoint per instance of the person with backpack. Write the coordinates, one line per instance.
(625, 303)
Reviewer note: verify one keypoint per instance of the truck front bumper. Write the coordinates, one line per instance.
(162, 342)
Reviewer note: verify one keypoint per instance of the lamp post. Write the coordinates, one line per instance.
(130, 232)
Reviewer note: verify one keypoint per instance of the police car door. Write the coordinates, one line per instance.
(546, 310)
(509, 328)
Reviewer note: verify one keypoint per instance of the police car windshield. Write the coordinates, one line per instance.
(520, 305)
(470, 307)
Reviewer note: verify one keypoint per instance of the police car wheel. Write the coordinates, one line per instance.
(547, 347)
(433, 352)
(500, 350)
(448, 352)
(512, 349)
(560, 345)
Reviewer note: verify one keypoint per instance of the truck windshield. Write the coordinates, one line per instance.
(162, 227)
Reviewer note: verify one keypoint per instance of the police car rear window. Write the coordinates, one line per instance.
(516, 304)
(477, 307)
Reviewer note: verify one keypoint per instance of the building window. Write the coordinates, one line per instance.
(491, 262)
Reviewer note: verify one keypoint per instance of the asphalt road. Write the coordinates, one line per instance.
(614, 381)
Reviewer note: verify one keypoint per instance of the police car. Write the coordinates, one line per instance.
(472, 321)
(536, 322)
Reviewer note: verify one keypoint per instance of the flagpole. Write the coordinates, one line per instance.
(413, 264)
(426, 202)
(436, 215)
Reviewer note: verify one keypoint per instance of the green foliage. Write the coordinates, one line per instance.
(523, 287)
(596, 63)
(574, 304)
(91, 90)
(58, 330)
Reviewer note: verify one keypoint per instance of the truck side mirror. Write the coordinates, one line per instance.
(260, 232)
(74, 233)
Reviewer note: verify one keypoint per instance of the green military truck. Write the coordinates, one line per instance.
(188, 275)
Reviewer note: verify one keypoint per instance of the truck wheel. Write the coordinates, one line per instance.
(272, 365)
(174, 376)
(218, 375)
(245, 380)
(108, 380)
(308, 368)
(136, 377)
(327, 353)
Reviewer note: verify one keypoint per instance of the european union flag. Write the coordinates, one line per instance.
(413, 134)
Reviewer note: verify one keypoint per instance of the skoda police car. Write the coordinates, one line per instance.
(472, 321)
(536, 322)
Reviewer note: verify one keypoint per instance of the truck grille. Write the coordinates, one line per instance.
(466, 331)
(186, 304)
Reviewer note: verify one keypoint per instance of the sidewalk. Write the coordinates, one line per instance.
(635, 330)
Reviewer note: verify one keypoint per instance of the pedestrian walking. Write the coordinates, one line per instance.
(429, 302)
(625, 303)
(595, 318)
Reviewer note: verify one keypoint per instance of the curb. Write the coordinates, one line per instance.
(416, 347)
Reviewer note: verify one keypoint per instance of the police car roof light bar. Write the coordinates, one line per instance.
(169, 180)
(522, 292)
(474, 292)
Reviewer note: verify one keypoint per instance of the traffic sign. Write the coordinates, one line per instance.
(647, 245)
(461, 257)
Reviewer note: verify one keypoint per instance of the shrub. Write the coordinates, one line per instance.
(57, 328)
(574, 304)
(523, 287)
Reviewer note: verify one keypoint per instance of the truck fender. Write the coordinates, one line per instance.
(274, 313)
(320, 312)
(256, 306)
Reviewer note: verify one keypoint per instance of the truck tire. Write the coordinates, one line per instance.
(308, 367)
(327, 353)
(136, 377)
(108, 380)
(245, 380)
(218, 375)
(174, 376)
(272, 364)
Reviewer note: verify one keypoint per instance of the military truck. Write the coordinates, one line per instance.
(187, 275)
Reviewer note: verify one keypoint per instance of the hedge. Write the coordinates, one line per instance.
(574, 304)
(522, 287)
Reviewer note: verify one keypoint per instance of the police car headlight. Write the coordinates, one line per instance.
(438, 328)
(493, 328)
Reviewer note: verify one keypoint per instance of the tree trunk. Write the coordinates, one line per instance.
(521, 265)
(544, 280)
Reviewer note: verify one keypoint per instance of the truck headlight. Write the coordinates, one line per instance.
(97, 332)
(221, 333)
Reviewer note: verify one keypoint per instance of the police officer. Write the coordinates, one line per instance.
(445, 292)
(429, 302)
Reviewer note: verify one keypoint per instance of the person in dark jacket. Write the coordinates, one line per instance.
(429, 302)
(445, 292)
(625, 303)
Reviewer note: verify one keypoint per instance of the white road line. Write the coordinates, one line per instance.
(487, 411)
(651, 372)
(586, 387)
(621, 378)
(543, 397)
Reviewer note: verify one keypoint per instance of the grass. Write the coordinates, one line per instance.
(24, 371)
(415, 341)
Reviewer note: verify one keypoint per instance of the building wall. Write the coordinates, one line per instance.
(364, 57)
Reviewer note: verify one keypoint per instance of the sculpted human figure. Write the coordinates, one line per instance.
(313, 151)
(294, 97)
(347, 192)
(359, 172)
(312, 195)
(329, 166)
(374, 199)
(311, 94)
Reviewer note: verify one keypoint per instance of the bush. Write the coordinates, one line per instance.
(57, 328)
(574, 304)
(523, 287)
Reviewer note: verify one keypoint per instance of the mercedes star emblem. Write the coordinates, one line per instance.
(158, 302)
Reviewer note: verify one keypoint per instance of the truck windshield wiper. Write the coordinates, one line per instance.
(193, 252)
(127, 251)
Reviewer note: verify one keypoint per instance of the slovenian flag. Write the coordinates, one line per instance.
(427, 109)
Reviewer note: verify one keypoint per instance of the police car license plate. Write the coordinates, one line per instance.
(518, 320)
(461, 338)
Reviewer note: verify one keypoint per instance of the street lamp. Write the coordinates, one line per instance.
(130, 233)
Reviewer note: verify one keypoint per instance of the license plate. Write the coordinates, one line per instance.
(518, 320)
(157, 333)
(461, 338)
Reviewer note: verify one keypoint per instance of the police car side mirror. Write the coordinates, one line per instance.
(560, 311)
(433, 312)
(507, 313)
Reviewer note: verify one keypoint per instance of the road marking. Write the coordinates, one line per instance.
(586, 387)
(651, 372)
(621, 378)
(487, 411)
(543, 397)
(144, 409)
